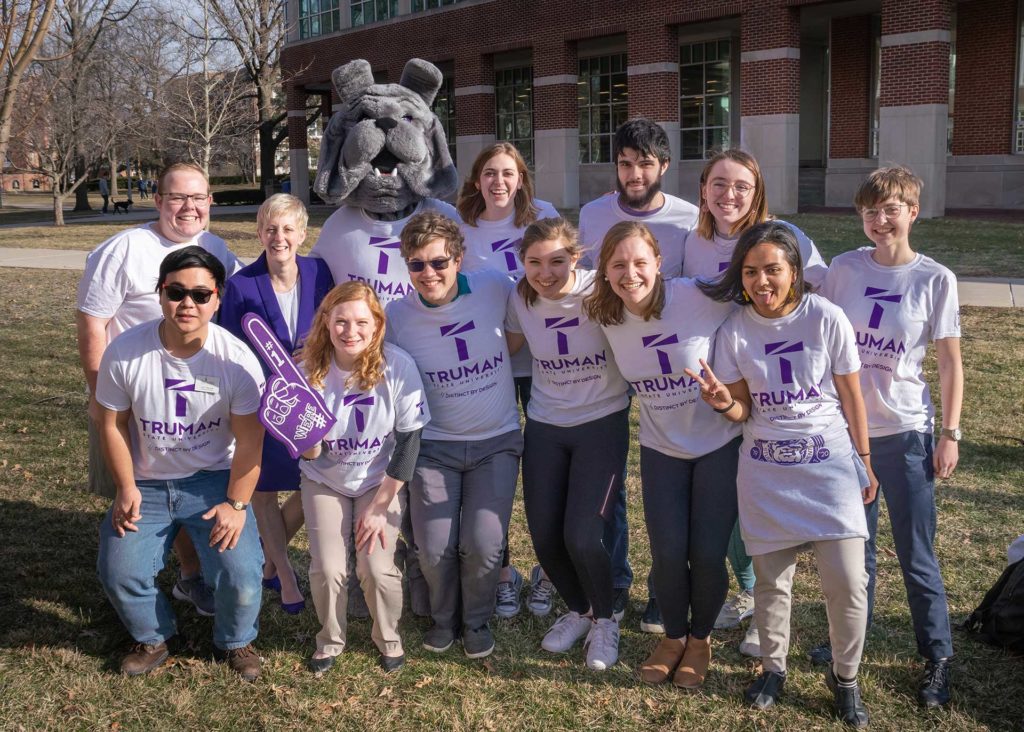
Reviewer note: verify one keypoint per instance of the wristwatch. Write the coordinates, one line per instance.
(237, 505)
(952, 433)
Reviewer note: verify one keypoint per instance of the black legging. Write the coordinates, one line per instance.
(690, 509)
(566, 476)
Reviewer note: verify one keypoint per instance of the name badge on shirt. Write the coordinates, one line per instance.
(207, 384)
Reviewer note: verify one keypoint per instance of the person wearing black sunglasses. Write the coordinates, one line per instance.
(180, 430)
(117, 292)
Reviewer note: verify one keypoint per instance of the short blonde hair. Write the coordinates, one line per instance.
(179, 168)
(282, 204)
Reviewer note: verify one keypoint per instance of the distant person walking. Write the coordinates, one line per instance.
(105, 190)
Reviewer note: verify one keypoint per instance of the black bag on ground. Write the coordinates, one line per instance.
(999, 619)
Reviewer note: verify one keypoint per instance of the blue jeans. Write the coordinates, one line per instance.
(128, 565)
(903, 465)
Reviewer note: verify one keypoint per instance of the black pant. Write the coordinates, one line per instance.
(569, 475)
(690, 509)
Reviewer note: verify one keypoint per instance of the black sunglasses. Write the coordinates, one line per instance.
(415, 265)
(177, 293)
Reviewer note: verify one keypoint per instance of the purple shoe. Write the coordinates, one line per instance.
(273, 584)
(293, 608)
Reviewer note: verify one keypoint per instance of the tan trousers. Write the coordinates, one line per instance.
(330, 522)
(844, 583)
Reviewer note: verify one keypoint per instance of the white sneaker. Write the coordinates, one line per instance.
(751, 643)
(735, 611)
(568, 629)
(603, 644)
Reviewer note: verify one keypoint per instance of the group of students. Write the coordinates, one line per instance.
(775, 394)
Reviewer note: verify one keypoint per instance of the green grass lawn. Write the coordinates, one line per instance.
(60, 641)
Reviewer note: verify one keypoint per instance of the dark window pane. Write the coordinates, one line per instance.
(698, 52)
(604, 154)
(619, 115)
(604, 120)
(584, 122)
(689, 112)
(717, 110)
(504, 99)
(717, 138)
(691, 145)
(691, 80)
(584, 150)
(685, 56)
(605, 65)
(620, 88)
(717, 78)
(524, 126)
(724, 49)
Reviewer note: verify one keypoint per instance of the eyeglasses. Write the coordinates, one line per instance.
(178, 199)
(891, 211)
(416, 265)
(742, 190)
(199, 295)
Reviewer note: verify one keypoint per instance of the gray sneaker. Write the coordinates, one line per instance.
(603, 644)
(438, 639)
(541, 593)
(506, 602)
(477, 643)
(735, 611)
(751, 643)
(195, 591)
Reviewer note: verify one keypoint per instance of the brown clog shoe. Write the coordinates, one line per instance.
(663, 661)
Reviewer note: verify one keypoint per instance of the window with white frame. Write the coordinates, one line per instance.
(603, 104)
(705, 102)
(444, 108)
(513, 102)
(317, 17)
(369, 11)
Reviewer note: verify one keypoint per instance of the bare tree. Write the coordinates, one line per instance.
(256, 28)
(23, 27)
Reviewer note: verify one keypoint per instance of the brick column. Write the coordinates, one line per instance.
(298, 145)
(653, 70)
(474, 109)
(915, 93)
(555, 124)
(770, 98)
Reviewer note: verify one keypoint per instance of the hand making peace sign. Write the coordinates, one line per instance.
(712, 391)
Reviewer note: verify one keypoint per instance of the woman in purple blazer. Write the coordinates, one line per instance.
(284, 289)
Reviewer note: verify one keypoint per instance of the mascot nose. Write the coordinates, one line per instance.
(386, 123)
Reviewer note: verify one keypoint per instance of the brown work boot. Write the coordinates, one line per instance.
(662, 661)
(244, 661)
(694, 666)
(143, 658)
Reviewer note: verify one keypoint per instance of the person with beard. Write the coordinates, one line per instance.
(642, 155)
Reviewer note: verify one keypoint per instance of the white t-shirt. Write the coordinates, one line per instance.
(288, 302)
(495, 245)
(788, 364)
(120, 276)
(461, 353)
(574, 378)
(895, 312)
(358, 247)
(181, 407)
(669, 224)
(358, 448)
(652, 354)
(708, 259)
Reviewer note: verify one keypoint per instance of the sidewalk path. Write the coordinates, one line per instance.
(995, 292)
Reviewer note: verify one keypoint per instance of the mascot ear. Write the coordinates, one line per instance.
(445, 178)
(352, 78)
(421, 77)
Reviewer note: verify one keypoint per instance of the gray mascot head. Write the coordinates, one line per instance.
(385, 150)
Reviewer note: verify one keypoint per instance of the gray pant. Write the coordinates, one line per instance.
(460, 500)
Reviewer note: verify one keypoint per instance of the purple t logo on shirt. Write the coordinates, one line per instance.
(660, 339)
(557, 324)
(785, 366)
(453, 329)
(358, 399)
(384, 243)
(877, 311)
(508, 247)
(179, 385)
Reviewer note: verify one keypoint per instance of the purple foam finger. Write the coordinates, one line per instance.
(294, 415)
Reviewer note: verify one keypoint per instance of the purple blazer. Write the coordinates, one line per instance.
(249, 291)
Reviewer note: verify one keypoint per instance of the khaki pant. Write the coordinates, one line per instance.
(844, 583)
(330, 522)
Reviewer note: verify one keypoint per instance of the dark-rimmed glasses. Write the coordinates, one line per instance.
(416, 265)
(177, 293)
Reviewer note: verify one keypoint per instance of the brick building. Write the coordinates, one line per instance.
(821, 92)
